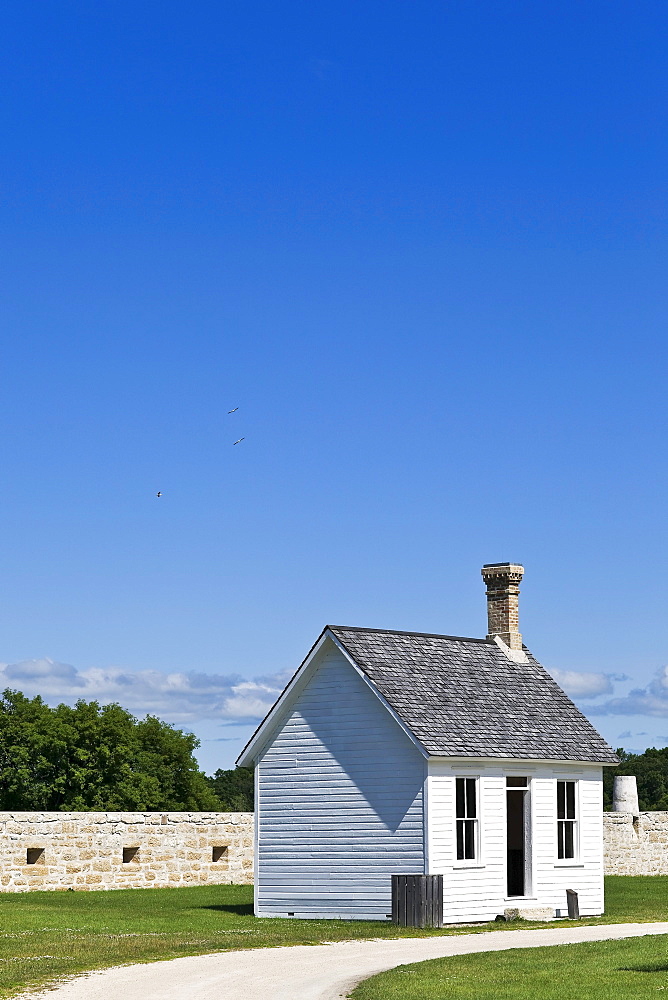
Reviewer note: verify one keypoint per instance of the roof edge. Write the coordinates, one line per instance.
(529, 761)
(273, 714)
(405, 728)
(423, 635)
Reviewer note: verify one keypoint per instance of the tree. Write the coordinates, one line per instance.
(234, 789)
(94, 757)
(651, 771)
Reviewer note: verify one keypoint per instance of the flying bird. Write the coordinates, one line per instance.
(158, 494)
(234, 410)
(240, 440)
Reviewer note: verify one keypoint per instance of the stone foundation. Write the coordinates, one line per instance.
(58, 850)
(529, 913)
(635, 845)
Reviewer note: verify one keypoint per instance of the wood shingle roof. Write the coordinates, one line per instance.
(466, 697)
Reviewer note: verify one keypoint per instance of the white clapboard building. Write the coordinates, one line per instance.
(407, 753)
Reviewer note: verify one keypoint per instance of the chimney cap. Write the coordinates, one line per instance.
(509, 566)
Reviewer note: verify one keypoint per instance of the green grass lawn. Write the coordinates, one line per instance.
(623, 970)
(630, 969)
(47, 935)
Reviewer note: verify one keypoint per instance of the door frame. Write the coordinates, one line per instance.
(527, 803)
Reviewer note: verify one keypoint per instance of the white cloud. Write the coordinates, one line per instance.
(650, 700)
(584, 685)
(179, 697)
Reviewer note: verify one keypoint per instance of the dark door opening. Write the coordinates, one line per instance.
(516, 840)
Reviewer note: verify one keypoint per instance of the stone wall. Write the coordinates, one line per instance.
(59, 850)
(635, 845)
(138, 850)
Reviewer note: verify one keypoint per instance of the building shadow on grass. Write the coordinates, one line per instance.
(240, 909)
(655, 967)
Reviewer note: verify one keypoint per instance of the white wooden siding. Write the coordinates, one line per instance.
(471, 890)
(477, 891)
(585, 872)
(340, 805)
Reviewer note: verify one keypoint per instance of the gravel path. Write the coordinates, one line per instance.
(318, 972)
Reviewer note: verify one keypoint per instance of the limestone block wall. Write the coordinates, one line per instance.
(81, 850)
(635, 845)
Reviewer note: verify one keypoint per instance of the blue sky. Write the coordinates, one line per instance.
(422, 248)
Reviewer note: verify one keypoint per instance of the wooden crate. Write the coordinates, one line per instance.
(417, 900)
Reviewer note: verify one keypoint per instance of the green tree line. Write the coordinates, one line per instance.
(101, 758)
(651, 771)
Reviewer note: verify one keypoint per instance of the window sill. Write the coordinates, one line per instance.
(468, 864)
(569, 864)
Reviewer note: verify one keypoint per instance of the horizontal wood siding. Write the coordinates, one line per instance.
(340, 802)
(471, 891)
(584, 873)
(477, 891)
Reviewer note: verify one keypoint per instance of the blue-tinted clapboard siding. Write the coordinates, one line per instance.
(340, 802)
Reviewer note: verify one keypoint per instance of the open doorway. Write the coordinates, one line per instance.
(517, 837)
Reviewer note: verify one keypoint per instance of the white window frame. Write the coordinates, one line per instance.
(565, 821)
(466, 819)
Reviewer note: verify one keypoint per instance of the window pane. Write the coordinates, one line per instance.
(470, 797)
(560, 840)
(561, 800)
(469, 838)
(570, 799)
(569, 840)
(461, 811)
(460, 839)
(516, 782)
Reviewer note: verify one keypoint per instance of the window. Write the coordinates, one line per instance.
(130, 854)
(566, 821)
(466, 818)
(35, 856)
(218, 852)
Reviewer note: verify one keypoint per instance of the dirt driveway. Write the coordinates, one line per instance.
(320, 972)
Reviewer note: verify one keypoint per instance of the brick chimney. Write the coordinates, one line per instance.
(503, 591)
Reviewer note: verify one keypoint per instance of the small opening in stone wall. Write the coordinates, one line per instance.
(130, 854)
(35, 856)
(217, 853)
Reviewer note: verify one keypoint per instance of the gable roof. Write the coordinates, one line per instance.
(466, 697)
